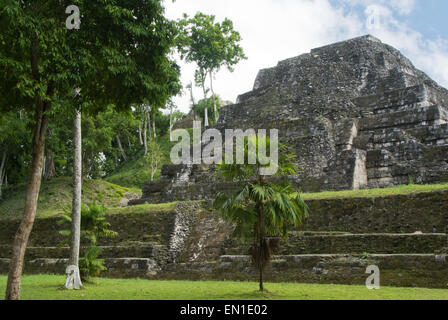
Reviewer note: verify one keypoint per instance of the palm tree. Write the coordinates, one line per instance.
(262, 209)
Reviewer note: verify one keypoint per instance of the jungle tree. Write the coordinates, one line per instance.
(119, 57)
(211, 45)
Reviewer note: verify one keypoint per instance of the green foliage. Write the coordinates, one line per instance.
(93, 223)
(15, 142)
(209, 43)
(119, 56)
(91, 265)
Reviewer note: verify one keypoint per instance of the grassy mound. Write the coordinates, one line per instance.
(375, 193)
(56, 197)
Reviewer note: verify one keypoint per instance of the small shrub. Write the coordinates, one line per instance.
(90, 265)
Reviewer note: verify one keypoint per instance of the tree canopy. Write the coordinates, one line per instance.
(120, 56)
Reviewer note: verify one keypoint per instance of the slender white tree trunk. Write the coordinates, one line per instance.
(73, 277)
(154, 127)
(206, 123)
(171, 123)
(149, 125)
(145, 138)
(206, 117)
(140, 134)
(213, 96)
(123, 154)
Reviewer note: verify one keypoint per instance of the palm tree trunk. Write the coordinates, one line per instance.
(75, 239)
(261, 235)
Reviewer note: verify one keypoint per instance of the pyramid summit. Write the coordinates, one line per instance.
(357, 113)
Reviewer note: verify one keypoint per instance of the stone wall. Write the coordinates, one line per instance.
(425, 212)
(321, 243)
(138, 228)
(426, 271)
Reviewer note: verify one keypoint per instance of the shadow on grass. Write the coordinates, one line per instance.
(266, 295)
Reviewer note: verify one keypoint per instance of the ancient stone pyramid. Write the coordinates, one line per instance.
(357, 113)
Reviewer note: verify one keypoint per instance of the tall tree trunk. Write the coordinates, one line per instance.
(140, 136)
(145, 138)
(73, 280)
(261, 247)
(149, 126)
(206, 123)
(50, 171)
(32, 193)
(154, 127)
(213, 96)
(193, 102)
(120, 147)
(171, 123)
(260, 235)
(2, 172)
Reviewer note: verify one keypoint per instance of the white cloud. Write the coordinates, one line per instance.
(273, 30)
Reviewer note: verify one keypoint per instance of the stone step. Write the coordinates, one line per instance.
(436, 135)
(403, 270)
(379, 243)
(432, 115)
(157, 252)
(402, 99)
(116, 267)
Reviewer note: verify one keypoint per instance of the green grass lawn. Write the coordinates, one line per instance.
(47, 287)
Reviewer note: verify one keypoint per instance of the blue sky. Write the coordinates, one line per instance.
(430, 18)
(274, 30)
